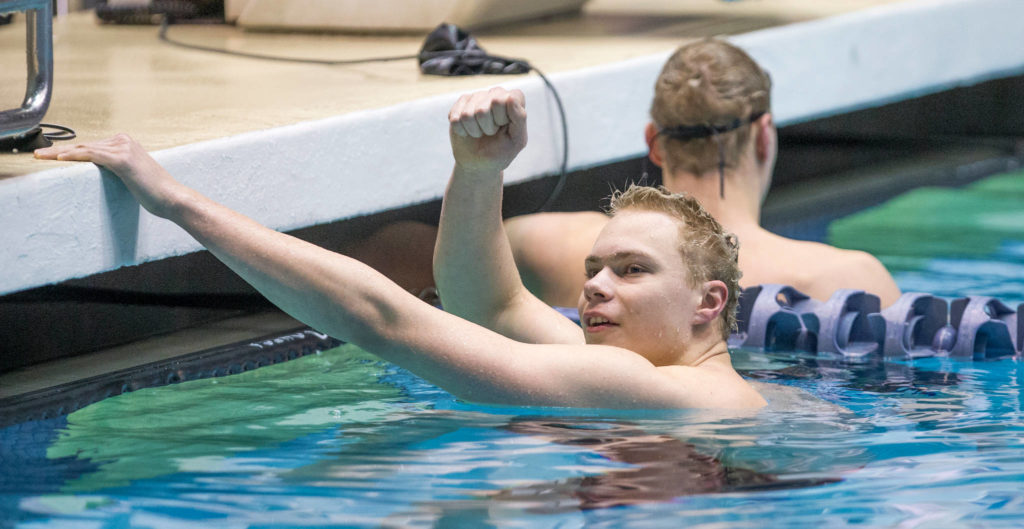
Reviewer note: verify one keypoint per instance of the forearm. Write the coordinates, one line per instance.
(353, 302)
(473, 264)
(325, 290)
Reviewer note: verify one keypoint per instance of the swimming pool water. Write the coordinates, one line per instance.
(340, 439)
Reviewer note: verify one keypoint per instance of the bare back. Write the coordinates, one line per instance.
(549, 250)
(813, 268)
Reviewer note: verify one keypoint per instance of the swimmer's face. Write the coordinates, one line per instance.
(638, 294)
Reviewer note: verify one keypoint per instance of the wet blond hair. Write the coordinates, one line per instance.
(708, 83)
(708, 251)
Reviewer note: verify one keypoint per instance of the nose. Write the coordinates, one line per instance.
(598, 287)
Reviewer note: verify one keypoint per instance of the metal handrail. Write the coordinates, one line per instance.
(39, 58)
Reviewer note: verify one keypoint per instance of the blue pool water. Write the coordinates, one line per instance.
(937, 444)
(340, 439)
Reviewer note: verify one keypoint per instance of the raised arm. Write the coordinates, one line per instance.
(474, 268)
(326, 290)
(349, 300)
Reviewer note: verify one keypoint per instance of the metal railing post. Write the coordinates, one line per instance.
(39, 58)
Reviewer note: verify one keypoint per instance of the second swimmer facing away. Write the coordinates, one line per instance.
(656, 310)
(712, 132)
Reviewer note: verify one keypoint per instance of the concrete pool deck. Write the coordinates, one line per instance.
(292, 145)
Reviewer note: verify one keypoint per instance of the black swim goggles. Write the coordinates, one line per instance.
(693, 132)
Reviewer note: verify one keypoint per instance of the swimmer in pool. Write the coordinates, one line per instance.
(708, 82)
(654, 334)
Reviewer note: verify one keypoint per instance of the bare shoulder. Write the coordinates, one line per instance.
(552, 239)
(861, 270)
(714, 386)
(478, 365)
(823, 269)
(833, 260)
(538, 227)
(611, 377)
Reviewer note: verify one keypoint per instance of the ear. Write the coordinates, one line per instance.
(765, 137)
(654, 151)
(713, 299)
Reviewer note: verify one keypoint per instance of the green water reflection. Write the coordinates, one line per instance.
(198, 424)
(910, 230)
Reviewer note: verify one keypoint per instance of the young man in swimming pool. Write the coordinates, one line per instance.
(705, 84)
(654, 334)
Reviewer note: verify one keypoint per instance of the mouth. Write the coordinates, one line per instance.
(595, 323)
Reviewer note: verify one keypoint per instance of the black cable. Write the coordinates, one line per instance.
(63, 134)
(563, 171)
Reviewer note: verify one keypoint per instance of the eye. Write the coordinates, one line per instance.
(590, 272)
(634, 269)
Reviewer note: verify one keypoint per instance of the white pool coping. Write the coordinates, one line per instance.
(73, 222)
